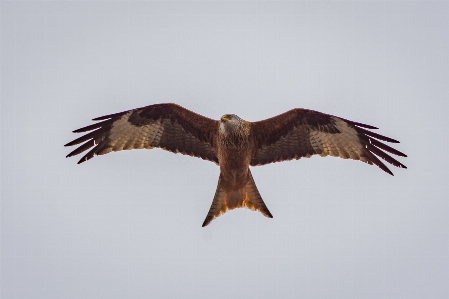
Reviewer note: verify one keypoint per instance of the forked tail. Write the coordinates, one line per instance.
(247, 197)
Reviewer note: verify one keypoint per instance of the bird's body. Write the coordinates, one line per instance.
(236, 187)
(234, 151)
(235, 144)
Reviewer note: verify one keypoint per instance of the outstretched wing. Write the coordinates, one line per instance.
(302, 133)
(168, 126)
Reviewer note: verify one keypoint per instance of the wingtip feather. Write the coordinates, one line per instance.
(206, 222)
(360, 124)
(86, 157)
(105, 117)
(375, 135)
(387, 170)
(375, 160)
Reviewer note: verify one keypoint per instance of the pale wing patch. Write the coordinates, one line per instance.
(345, 144)
(124, 135)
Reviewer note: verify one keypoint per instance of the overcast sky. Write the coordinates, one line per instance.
(128, 224)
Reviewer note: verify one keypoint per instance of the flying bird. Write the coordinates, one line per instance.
(235, 144)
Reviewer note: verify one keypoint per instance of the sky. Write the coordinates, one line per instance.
(128, 224)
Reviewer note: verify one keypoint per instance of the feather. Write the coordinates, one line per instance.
(82, 148)
(375, 135)
(387, 148)
(85, 137)
(379, 163)
(114, 115)
(359, 124)
(384, 156)
(92, 127)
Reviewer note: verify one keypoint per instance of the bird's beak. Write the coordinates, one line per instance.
(224, 118)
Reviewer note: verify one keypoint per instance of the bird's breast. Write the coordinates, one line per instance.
(234, 163)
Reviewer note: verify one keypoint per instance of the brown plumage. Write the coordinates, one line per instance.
(235, 144)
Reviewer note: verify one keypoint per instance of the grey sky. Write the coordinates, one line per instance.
(128, 224)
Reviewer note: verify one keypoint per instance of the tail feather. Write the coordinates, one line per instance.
(247, 197)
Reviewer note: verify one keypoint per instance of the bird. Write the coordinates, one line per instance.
(235, 144)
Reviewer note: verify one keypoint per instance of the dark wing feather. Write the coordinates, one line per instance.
(167, 126)
(302, 133)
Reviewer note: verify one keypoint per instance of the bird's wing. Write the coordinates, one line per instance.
(167, 126)
(302, 133)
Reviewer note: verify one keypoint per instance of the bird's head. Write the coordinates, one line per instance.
(229, 123)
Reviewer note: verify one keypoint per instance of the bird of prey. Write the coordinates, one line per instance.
(235, 144)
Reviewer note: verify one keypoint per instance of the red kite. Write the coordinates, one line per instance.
(235, 144)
